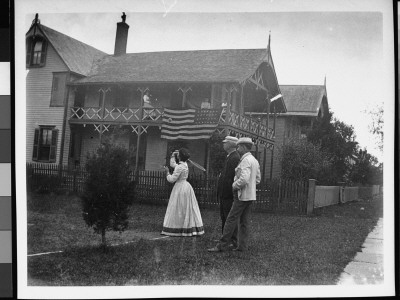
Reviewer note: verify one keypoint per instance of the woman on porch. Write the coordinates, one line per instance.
(183, 216)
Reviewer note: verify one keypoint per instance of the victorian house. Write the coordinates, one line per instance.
(304, 104)
(78, 95)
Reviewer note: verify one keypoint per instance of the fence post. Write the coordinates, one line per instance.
(74, 187)
(341, 192)
(311, 196)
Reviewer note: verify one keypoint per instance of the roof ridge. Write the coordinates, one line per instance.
(199, 50)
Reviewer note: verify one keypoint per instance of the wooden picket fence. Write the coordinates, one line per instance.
(151, 187)
(44, 178)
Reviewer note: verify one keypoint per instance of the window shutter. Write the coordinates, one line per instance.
(43, 56)
(53, 147)
(35, 145)
(28, 51)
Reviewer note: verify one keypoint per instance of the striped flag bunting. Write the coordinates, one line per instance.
(189, 124)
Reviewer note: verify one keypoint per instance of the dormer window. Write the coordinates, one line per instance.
(36, 52)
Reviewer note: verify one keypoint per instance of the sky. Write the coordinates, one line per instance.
(346, 47)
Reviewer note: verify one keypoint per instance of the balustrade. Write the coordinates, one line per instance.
(111, 114)
(154, 114)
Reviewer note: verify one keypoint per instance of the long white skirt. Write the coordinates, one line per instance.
(183, 216)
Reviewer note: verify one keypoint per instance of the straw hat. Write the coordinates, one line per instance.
(245, 140)
(231, 139)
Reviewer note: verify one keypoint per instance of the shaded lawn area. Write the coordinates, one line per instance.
(284, 250)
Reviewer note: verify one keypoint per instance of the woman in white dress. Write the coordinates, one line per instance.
(183, 216)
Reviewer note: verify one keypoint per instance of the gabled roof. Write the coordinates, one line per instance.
(76, 55)
(231, 65)
(303, 100)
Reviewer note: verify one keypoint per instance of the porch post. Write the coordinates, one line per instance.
(184, 91)
(257, 150)
(142, 91)
(137, 148)
(272, 162)
(103, 105)
(241, 99)
(208, 158)
(264, 162)
(228, 105)
(64, 125)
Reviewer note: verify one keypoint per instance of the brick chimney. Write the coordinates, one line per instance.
(121, 37)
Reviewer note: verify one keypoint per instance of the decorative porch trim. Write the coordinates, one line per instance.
(135, 129)
(101, 128)
(105, 90)
(142, 90)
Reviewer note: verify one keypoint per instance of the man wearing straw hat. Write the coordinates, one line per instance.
(224, 191)
(247, 176)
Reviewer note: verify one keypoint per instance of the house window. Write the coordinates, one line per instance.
(35, 52)
(58, 89)
(45, 144)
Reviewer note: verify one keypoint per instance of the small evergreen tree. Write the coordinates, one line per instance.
(107, 195)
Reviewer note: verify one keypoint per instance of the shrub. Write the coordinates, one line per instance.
(302, 160)
(107, 193)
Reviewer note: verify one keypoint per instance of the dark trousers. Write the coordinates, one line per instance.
(225, 208)
(240, 212)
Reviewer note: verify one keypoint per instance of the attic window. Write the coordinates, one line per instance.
(35, 52)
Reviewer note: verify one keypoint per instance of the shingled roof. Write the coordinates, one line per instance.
(303, 99)
(77, 56)
(231, 65)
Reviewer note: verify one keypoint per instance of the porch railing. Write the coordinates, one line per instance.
(111, 114)
(146, 114)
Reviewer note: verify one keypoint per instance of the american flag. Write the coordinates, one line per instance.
(189, 124)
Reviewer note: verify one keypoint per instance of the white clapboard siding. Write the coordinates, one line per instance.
(38, 93)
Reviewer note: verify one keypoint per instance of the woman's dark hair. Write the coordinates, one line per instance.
(184, 154)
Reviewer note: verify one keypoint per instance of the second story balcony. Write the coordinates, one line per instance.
(153, 116)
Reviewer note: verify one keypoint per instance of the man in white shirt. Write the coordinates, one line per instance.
(247, 176)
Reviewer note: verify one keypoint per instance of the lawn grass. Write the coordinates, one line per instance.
(284, 250)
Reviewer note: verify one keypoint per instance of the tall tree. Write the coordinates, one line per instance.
(365, 169)
(376, 125)
(337, 139)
